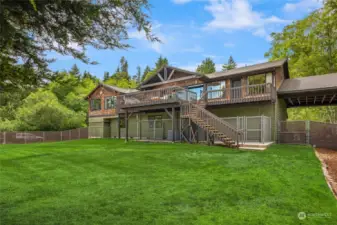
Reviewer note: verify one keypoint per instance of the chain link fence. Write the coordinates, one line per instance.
(26, 137)
(323, 135)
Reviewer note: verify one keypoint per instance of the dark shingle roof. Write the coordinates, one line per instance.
(308, 84)
(249, 69)
(113, 88)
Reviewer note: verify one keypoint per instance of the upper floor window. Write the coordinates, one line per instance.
(257, 79)
(110, 102)
(95, 104)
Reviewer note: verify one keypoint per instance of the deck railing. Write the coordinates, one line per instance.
(249, 93)
(157, 96)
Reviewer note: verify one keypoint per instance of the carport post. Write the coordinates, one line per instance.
(308, 131)
(126, 126)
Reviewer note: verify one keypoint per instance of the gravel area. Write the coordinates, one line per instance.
(329, 163)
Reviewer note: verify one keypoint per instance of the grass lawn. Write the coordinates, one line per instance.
(110, 182)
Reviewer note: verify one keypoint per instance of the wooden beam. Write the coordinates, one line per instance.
(160, 77)
(168, 113)
(332, 98)
(165, 73)
(306, 100)
(119, 126)
(315, 100)
(170, 81)
(171, 74)
(323, 99)
(173, 124)
(289, 99)
(299, 102)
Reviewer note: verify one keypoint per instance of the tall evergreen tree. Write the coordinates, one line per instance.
(139, 74)
(161, 61)
(206, 66)
(106, 76)
(146, 71)
(231, 64)
(124, 65)
(75, 71)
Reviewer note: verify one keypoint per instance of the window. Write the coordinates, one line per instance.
(197, 89)
(257, 79)
(95, 104)
(256, 84)
(216, 89)
(155, 121)
(109, 102)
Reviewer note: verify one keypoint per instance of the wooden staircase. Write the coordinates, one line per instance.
(213, 125)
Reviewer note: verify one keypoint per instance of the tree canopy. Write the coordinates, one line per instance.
(30, 29)
(311, 46)
(231, 64)
(206, 66)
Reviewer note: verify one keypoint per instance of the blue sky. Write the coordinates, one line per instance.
(191, 30)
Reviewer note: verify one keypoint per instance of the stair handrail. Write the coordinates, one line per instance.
(231, 131)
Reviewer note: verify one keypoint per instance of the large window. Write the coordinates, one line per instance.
(196, 89)
(257, 79)
(95, 104)
(110, 102)
(256, 84)
(216, 89)
(155, 121)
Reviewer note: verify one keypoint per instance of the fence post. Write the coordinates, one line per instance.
(262, 126)
(4, 141)
(25, 134)
(43, 135)
(70, 134)
(79, 133)
(308, 131)
(61, 135)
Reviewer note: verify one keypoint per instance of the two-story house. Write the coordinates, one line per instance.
(235, 106)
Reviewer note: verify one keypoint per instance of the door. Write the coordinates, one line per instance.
(236, 89)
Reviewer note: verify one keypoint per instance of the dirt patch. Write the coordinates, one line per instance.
(328, 159)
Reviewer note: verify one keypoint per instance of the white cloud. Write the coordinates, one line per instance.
(156, 46)
(229, 15)
(303, 6)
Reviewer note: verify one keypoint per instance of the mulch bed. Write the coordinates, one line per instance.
(328, 159)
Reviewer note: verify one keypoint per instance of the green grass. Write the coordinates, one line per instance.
(110, 182)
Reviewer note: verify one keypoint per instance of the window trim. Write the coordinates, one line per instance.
(91, 104)
(105, 102)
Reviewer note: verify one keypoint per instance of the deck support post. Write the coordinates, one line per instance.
(173, 124)
(139, 134)
(126, 126)
(119, 126)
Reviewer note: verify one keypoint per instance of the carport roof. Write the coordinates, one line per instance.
(327, 82)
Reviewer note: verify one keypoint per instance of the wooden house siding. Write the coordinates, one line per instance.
(101, 93)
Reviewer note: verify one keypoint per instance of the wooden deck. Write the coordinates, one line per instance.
(180, 95)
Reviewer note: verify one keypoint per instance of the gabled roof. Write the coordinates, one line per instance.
(172, 68)
(309, 84)
(112, 88)
(251, 69)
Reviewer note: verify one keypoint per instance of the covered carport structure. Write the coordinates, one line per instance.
(318, 90)
(310, 91)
